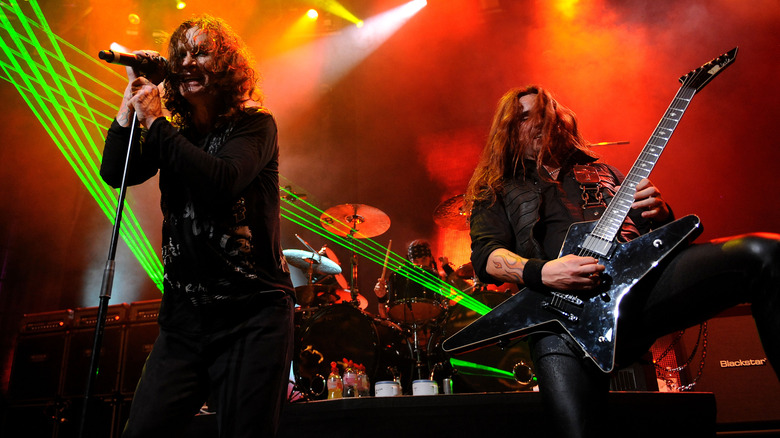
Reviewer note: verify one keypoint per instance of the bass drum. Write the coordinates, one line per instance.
(342, 331)
(489, 369)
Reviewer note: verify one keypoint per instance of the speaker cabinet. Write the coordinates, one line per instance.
(140, 334)
(139, 340)
(736, 370)
(38, 361)
(39, 356)
(80, 355)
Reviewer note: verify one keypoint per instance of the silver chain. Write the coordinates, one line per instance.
(701, 339)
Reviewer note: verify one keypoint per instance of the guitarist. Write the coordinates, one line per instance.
(537, 176)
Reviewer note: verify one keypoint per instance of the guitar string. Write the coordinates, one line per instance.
(668, 124)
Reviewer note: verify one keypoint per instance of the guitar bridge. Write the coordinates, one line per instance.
(564, 305)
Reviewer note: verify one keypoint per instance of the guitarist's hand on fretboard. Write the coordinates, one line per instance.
(648, 198)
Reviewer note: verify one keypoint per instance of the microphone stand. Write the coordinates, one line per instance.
(105, 288)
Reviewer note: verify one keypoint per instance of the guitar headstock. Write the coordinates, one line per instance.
(702, 76)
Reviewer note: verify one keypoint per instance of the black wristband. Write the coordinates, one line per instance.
(532, 274)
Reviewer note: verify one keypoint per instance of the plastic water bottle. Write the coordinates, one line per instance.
(350, 379)
(335, 385)
(363, 385)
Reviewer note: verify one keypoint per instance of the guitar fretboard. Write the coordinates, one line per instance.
(607, 228)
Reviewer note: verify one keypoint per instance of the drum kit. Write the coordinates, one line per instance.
(332, 324)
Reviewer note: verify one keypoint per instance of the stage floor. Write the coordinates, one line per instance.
(631, 414)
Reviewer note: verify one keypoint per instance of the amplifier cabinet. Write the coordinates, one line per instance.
(139, 340)
(36, 370)
(80, 355)
(736, 369)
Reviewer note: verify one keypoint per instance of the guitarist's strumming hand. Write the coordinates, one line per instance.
(567, 273)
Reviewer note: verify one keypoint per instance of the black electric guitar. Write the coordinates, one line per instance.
(591, 317)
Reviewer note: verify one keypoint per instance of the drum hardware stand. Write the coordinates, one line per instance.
(417, 354)
(307, 394)
(353, 287)
(316, 256)
(353, 284)
(416, 350)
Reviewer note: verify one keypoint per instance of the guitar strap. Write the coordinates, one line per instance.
(598, 187)
(590, 181)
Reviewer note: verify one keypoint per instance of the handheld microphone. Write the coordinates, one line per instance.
(149, 66)
(131, 59)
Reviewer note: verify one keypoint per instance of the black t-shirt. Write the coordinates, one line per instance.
(221, 216)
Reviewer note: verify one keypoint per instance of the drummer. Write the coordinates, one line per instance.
(419, 253)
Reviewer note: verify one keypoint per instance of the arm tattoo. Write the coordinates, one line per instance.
(511, 268)
(123, 118)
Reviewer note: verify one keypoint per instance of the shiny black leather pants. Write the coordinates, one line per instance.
(694, 285)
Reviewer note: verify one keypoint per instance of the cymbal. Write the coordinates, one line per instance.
(303, 259)
(449, 214)
(357, 220)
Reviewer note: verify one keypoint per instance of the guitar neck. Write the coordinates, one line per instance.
(609, 225)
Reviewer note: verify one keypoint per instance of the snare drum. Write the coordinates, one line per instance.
(410, 302)
(344, 331)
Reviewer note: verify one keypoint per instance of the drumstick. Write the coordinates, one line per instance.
(387, 256)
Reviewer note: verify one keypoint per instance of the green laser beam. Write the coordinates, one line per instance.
(50, 85)
(476, 369)
(35, 67)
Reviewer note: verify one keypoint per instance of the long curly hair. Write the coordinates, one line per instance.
(513, 131)
(234, 78)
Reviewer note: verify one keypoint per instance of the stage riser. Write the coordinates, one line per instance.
(519, 414)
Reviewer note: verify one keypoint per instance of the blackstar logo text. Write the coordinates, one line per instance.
(742, 363)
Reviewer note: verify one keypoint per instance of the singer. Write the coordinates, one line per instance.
(226, 318)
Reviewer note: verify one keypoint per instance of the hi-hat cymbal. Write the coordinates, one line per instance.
(305, 259)
(357, 220)
(449, 214)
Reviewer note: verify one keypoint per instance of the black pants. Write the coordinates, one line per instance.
(243, 371)
(695, 285)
